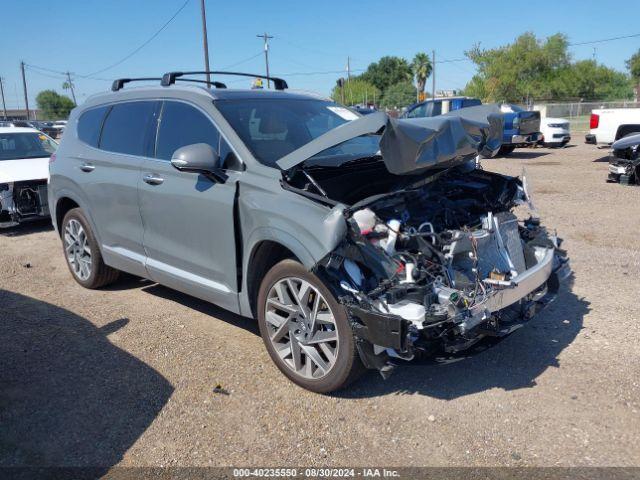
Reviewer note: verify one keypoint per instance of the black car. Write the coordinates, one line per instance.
(624, 161)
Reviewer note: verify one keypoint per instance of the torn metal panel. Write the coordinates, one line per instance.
(410, 145)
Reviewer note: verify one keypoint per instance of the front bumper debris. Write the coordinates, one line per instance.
(525, 139)
(23, 201)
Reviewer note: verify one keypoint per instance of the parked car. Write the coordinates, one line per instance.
(24, 170)
(610, 124)
(624, 160)
(364, 109)
(58, 127)
(351, 248)
(521, 127)
(556, 132)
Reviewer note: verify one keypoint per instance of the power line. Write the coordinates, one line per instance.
(454, 60)
(144, 44)
(242, 61)
(605, 40)
(40, 71)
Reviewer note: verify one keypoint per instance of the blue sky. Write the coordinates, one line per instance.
(85, 36)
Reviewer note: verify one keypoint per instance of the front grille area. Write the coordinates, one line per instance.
(508, 229)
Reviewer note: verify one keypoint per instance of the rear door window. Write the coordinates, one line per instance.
(418, 112)
(126, 127)
(181, 125)
(433, 108)
(90, 124)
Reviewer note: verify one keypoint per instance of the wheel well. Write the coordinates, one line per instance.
(264, 256)
(626, 129)
(62, 207)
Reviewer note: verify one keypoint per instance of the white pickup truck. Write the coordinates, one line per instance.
(610, 124)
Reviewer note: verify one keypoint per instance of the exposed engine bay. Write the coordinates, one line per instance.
(439, 267)
(434, 258)
(23, 201)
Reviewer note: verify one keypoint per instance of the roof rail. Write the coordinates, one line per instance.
(119, 83)
(194, 80)
(171, 77)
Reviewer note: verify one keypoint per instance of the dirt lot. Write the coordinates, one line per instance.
(126, 375)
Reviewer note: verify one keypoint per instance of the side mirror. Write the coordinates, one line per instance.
(199, 158)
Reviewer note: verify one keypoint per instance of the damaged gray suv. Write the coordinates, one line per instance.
(356, 242)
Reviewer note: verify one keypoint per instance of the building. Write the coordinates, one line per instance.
(21, 114)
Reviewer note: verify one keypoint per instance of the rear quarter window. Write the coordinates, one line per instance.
(90, 124)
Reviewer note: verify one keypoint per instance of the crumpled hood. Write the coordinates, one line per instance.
(25, 169)
(412, 145)
(626, 142)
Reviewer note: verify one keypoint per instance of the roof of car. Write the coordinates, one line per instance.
(438, 99)
(17, 130)
(215, 93)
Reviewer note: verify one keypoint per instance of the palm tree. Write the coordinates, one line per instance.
(422, 68)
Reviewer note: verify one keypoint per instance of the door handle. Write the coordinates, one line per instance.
(152, 179)
(87, 167)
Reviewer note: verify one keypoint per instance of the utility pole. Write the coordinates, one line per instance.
(73, 94)
(433, 74)
(266, 38)
(24, 85)
(349, 68)
(205, 41)
(4, 105)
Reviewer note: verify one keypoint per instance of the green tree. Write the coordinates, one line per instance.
(53, 105)
(356, 91)
(387, 71)
(422, 68)
(633, 64)
(542, 69)
(399, 95)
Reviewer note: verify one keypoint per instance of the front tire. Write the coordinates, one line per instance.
(82, 253)
(306, 331)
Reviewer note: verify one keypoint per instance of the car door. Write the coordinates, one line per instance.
(188, 218)
(108, 169)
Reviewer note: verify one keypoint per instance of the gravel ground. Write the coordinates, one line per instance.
(126, 375)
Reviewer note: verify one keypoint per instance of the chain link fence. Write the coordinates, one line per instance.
(578, 113)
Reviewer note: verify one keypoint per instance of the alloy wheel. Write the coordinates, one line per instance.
(76, 247)
(302, 327)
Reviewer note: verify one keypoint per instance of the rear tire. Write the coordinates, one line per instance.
(506, 150)
(82, 253)
(288, 297)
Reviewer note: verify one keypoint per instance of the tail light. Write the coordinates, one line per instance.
(52, 158)
(594, 121)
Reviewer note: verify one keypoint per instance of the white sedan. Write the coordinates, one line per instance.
(24, 172)
(555, 132)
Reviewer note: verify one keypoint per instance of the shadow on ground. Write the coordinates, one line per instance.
(202, 306)
(27, 228)
(527, 155)
(68, 396)
(604, 159)
(512, 363)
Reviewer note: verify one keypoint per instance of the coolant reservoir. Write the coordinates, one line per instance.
(414, 312)
(365, 219)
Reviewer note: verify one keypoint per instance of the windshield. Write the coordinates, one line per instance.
(14, 146)
(274, 127)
